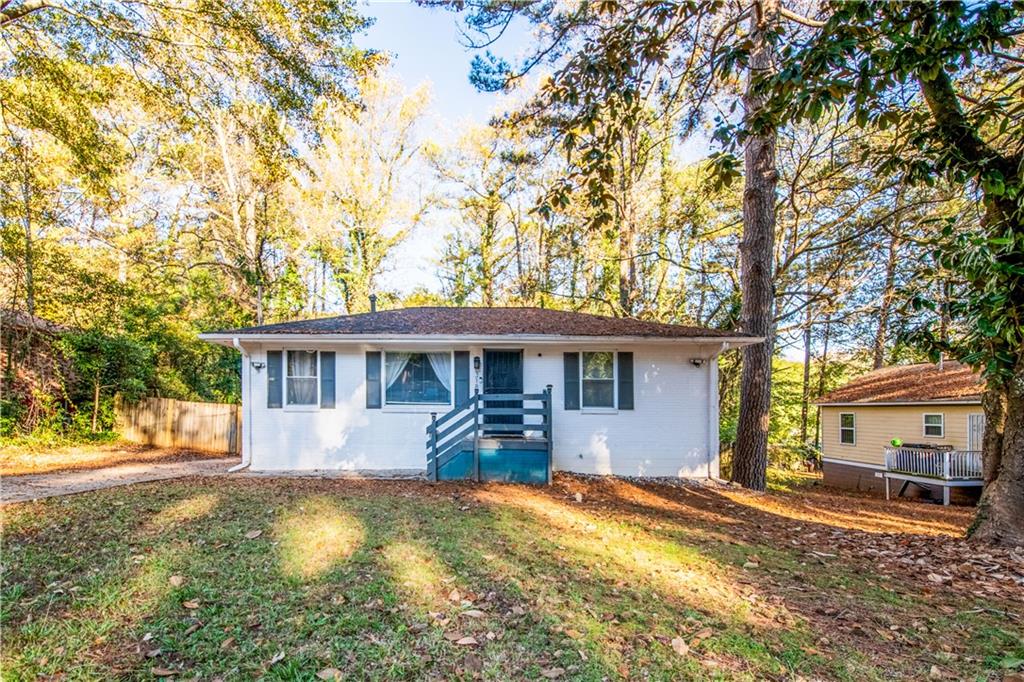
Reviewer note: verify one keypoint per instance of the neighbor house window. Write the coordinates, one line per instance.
(418, 378)
(847, 428)
(301, 373)
(934, 425)
(598, 379)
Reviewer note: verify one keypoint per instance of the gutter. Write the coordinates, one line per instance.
(247, 408)
(446, 339)
(714, 418)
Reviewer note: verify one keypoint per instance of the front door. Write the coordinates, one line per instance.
(975, 430)
(503, 373)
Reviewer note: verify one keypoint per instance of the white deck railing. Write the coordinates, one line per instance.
(947, 465)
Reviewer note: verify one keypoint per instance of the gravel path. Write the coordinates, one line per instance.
(38, 486)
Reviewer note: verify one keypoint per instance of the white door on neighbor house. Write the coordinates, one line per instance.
(975, 430)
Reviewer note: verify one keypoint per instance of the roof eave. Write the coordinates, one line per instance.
(228, 339)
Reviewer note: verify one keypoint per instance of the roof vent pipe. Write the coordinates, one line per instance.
(373, 303)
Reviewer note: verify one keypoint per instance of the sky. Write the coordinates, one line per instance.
(426, 46)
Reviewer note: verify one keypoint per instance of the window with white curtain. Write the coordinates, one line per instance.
(301, 377)
(418, 378)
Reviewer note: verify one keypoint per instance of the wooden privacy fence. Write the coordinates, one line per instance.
(169, 423)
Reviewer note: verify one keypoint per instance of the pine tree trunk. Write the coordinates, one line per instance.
(805, 402)
(30, 284)
(885, 306)
(805, 398)
(95, 403)
(750, 455)
(1000, 517)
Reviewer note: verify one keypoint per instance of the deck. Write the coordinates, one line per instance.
(932, 467)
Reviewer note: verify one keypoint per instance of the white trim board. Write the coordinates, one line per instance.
(833, 460)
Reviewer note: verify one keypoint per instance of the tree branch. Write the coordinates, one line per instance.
(800, 19)
(9, 16)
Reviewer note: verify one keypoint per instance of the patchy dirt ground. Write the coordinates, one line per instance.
(19, 461)
(586, 579)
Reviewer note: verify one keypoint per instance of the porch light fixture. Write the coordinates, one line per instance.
(476, 363)
(697, 362)
(257, 365)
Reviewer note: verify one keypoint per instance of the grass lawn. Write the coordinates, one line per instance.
(587, 579)
(18, 460)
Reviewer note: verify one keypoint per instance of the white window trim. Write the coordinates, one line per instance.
(848, 428)
(614, 409)
(925, 425)
(415, 408)
(285, 405)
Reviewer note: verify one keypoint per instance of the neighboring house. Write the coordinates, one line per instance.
(934, 411)
(559, 390)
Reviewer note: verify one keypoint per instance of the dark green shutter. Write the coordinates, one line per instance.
(572, 381)
(274, 378)
(461, 376)
(625, 381)
(373, 379)
(326, 380)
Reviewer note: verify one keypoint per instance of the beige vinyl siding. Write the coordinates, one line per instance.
(877, 425)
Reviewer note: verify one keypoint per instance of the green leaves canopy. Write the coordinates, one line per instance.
(64, 65)
(944, 81)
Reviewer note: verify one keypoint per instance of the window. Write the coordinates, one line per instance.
(934, 425)
(301, 372)
(847, 428)
(418, 378)
(598, 379)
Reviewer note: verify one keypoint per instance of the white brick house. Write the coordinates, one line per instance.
(359, 393)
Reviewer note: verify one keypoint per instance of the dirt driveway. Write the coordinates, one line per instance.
(28, 476)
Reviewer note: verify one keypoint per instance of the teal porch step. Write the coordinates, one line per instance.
(509, 460)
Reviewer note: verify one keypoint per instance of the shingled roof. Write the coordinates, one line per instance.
(910, 384)
(439, 321)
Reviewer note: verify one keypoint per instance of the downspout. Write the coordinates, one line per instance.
(710, 412)
(712, 397)
(247, 409)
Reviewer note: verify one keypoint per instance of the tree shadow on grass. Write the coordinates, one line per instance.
(347, 574)
(82, 569)
(799, 569)
(641, 574)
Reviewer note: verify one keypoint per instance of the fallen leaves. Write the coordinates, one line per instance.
(680, 646)
(329, 674)
(191, 604)
(163, 672)
(253, 534)
(176, 580)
